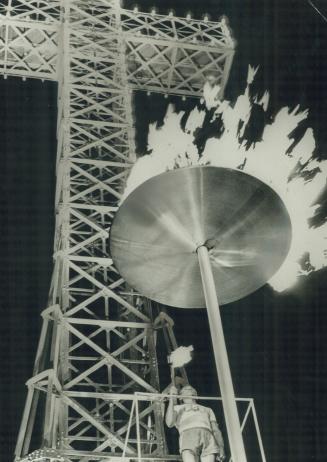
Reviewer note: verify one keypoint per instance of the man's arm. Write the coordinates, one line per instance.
(218, 437)
(171, 413)
(217, 434)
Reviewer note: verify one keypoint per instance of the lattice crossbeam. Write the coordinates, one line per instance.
(160, 51)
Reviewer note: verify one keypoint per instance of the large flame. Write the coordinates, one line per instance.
(288, 167)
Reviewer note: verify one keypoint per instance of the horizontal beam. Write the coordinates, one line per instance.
(104, 323)
(29, 48)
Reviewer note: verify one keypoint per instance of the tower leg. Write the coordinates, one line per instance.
(221, 358)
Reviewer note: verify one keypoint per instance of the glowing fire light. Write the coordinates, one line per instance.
(290, 170)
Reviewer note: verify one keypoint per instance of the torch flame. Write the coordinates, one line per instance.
(289, 168)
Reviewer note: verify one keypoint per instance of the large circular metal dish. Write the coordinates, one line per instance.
(157, 229)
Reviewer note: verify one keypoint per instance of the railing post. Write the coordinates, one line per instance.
(138, 436)
(255, 419)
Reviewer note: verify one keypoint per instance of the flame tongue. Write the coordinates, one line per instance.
(290, 170)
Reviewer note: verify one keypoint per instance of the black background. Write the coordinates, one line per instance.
(276, 342)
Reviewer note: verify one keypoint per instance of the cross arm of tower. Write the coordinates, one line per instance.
(162, 53)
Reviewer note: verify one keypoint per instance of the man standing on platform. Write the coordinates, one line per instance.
(199, 434)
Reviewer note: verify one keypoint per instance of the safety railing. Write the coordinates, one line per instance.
(249, 413)
(135, 425)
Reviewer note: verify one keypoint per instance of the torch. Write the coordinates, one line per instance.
(179, 358)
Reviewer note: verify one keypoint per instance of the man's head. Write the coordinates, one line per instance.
(212, 78)
(187, 392)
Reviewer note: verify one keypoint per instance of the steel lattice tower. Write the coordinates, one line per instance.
(97, 344)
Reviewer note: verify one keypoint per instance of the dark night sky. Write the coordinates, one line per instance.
(275, 341)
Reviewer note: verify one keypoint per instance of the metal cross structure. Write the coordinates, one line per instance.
(98, 341)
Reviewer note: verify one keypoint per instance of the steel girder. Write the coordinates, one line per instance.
(163, 53)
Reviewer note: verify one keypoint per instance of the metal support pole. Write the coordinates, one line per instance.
(138, 433)
(24, 423)
(221, 358)
(256, 424)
